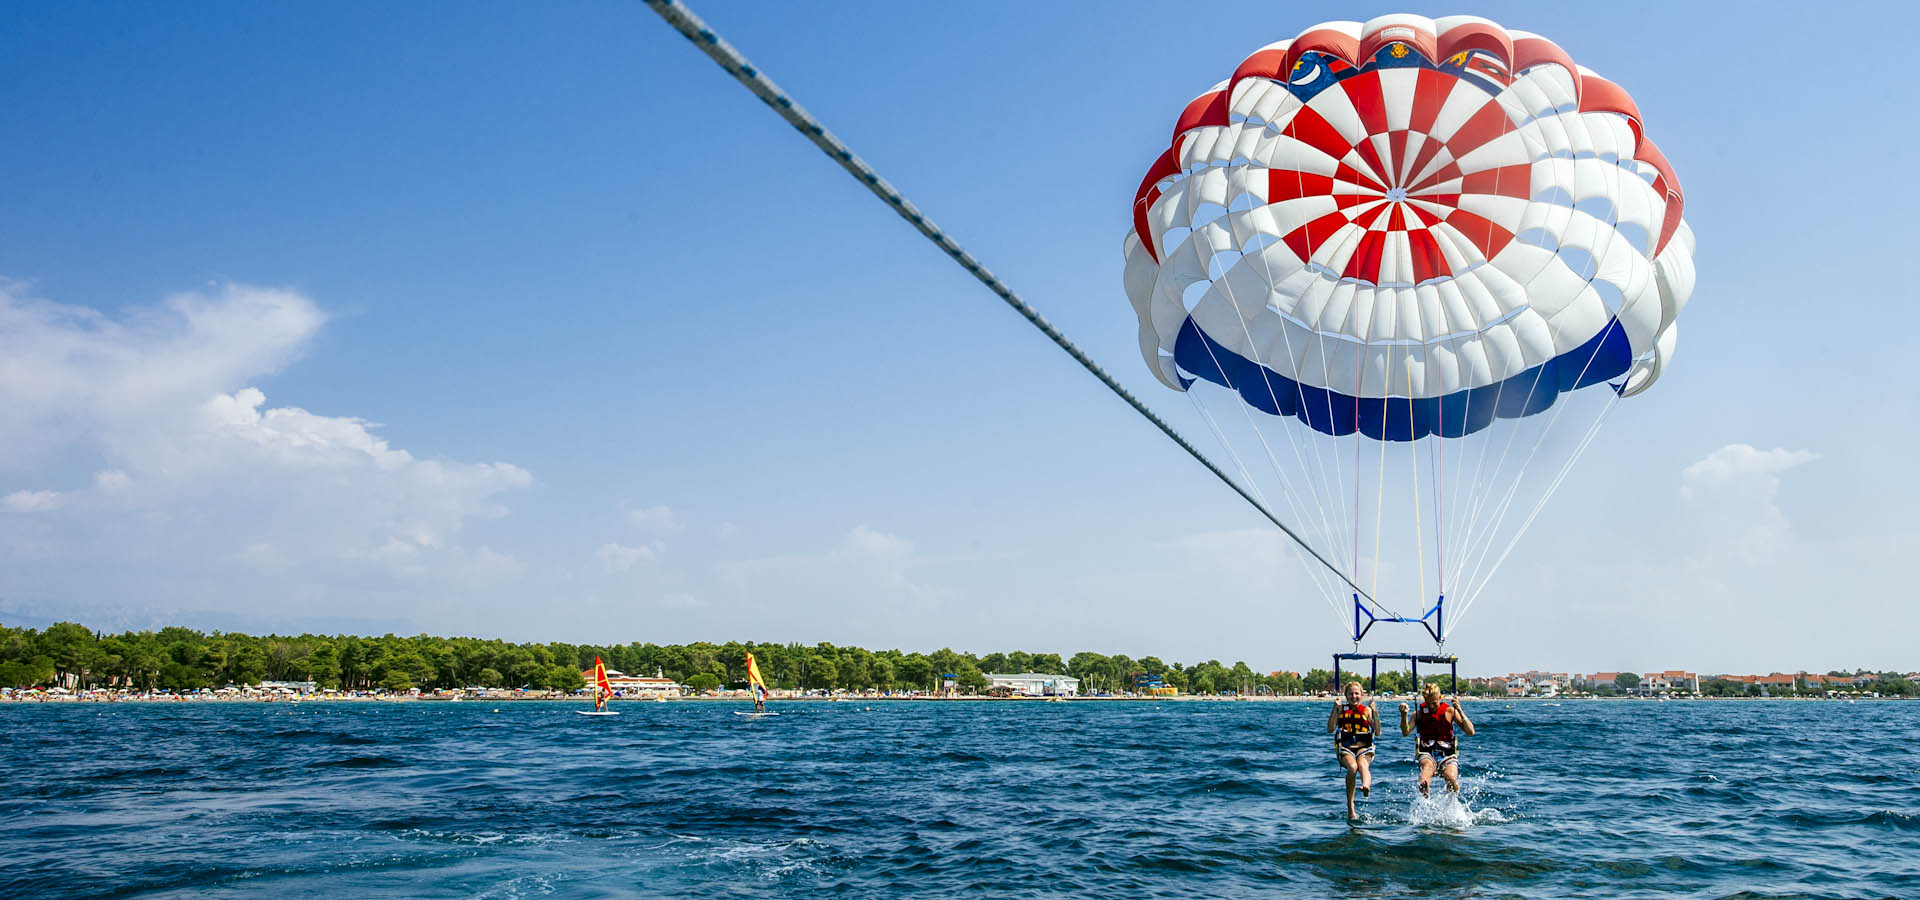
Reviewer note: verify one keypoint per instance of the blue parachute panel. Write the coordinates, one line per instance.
(1607, 355)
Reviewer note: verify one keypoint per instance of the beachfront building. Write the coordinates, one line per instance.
(289, 687)
(638, 686)
(1537, 683)
(1595, 679)
(1777, 683)
(1035, 684)
(1669, 681)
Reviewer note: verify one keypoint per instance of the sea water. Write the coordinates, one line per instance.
(949, 799)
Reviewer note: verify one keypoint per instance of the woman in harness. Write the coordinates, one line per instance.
(1353, 725)
(1436, 747)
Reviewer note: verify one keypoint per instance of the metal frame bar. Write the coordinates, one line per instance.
(1414, 660)
(1434, 620)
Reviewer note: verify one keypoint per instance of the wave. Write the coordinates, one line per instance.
(1884, 818)
(359, 762)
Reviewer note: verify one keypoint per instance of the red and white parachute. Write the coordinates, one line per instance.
(1412, 230)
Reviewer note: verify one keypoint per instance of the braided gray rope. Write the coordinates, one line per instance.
(716, 48)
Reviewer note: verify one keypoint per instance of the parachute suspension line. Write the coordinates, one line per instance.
(1327, 589)
(1380, 486)
(1322, 488)
(1413, 463)
(1481, 508)
(1553, 487)
(1356, 472)
(1336, 489)
(1259, 433)
(1616, 173)
(1506, 502)
(1332, 595)
(1439, 467)
(1473, 591)
(723, 54)
(1474, 492)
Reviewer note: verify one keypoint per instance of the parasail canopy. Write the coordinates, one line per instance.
(1409, 227)
(1410, 230)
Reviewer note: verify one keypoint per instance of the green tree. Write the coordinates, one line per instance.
(564, 678)
(1626, 681)
(396, 680)
(1090, 668)
(1243, 677)
(704, 681)
(66, 644)
(28, 673)
(915, 671)
(822, 672)
(323, 666)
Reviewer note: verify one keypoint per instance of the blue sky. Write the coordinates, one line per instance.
(570, 338)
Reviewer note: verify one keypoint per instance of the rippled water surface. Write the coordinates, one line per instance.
(869, 799)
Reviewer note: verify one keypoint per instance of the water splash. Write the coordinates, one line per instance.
(1447, 810)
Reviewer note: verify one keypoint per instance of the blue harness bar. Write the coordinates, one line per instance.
(1414, 659)
(1434, 620)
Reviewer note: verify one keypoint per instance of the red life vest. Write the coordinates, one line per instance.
(1434, 723)
(1354, 718)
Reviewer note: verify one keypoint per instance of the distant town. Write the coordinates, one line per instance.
(1678, 682)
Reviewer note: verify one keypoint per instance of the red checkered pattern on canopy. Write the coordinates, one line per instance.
(1396, 181)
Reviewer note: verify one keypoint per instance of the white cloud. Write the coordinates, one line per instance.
(33, 501)
(1743, 467)
(1731, 497)
(70, 373)
(866, 543)
(658, 520)
(681, 601)
(198, 462)
(614, 558)
(486, 562)
(868, 579)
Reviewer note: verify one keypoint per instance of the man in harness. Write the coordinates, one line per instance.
(1436, 746)
(1353, 725)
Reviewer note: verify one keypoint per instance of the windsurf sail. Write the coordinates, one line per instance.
(758, 684)
(601, 689)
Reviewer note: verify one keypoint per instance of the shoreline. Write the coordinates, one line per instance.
(37, 698)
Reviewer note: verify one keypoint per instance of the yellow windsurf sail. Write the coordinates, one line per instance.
(754, 680)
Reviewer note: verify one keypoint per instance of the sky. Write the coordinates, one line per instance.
(528, 322)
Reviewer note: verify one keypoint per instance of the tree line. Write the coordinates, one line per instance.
(179, 659)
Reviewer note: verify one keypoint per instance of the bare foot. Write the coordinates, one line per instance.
(1366, 790)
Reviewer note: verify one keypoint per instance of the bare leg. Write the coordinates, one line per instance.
(1366, 774)
(1452, 774)
(1426, 773)
(1347, 763)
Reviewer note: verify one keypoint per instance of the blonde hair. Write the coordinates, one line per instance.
(1432, 686)
(1356, 684)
